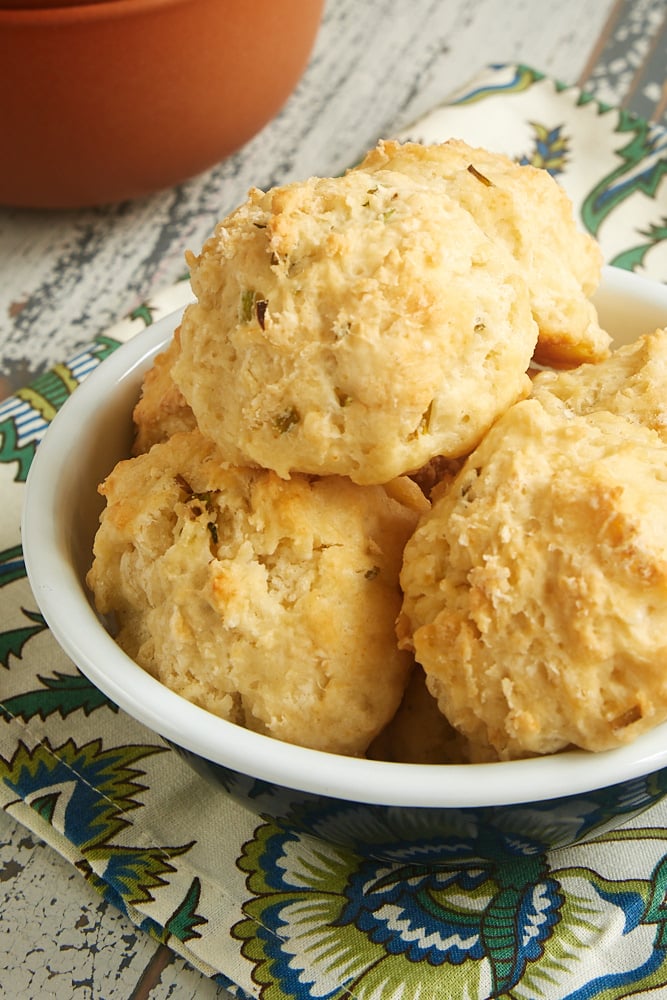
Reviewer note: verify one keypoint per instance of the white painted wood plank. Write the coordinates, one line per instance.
(59, 939)
(630, 68)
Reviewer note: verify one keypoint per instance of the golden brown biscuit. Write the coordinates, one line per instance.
(356, 325)
(525, 210)
(632, 383)
(162, 409)
(536, 588)
(436, 472)
(268, 602)
(419, 733)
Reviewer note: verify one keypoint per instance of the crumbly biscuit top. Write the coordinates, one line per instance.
(268, 602)
(356, 326)
(536, 588)
(630, 383)
(525, 210)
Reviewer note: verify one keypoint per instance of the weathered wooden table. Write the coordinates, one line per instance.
(69, 276)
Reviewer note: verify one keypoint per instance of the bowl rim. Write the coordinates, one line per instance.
(66, 607)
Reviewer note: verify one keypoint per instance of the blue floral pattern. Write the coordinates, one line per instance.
(524, 929)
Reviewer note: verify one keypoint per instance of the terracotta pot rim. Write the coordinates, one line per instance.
(97, 10)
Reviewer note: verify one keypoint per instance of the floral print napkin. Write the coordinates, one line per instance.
(265, 913)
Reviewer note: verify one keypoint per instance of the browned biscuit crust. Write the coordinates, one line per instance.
(357, 325)
(522, 208)
(536, 588)
(161, 410)
(268, 602)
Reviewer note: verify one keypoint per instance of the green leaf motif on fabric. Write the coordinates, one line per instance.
(12, 567)
(551, 147)
(180, 925)
(13, 641)
(87, 792)
(143, 312)
(656, 909)
(45, 805)
(11, 451)
(62, 694)
(642, 167)
(105, 345)
(185, 919)
(635, 256)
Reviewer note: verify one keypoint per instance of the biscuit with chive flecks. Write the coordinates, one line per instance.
(631, 382)
(536, 587)
(161, 410)
(357, 325)
(270, 603)
(419, 733)
(526, 211)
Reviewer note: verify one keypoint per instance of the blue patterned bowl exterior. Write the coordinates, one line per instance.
(440, 837)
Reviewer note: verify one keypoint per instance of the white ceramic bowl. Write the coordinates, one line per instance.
(438, 814)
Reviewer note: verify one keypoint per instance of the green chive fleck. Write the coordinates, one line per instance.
(285, 421)
(247, 305)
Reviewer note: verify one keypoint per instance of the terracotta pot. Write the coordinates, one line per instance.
(115, 99)
(43, 4)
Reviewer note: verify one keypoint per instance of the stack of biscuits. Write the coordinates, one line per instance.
(355, 519)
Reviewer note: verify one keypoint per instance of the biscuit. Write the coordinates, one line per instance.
(357, 326)
(270, 603)
(632, 383)
(528, 213)
(419, 733)
(161, 410)
(439, 470)
(536, 587)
